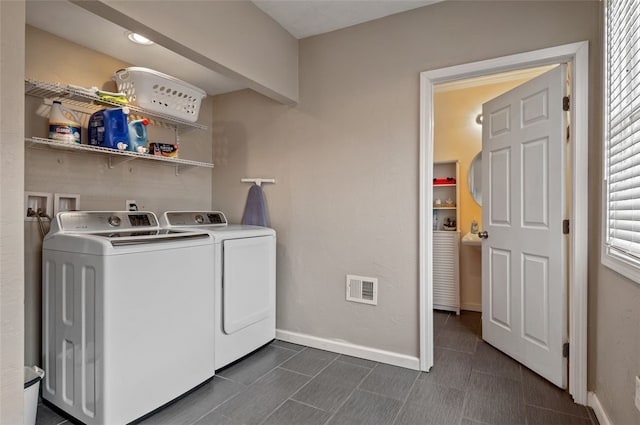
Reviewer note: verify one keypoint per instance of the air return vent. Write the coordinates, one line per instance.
(362, 289)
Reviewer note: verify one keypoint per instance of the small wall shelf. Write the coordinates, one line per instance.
(115, 157)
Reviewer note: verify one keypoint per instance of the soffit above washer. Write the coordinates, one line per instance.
(79, 26)
(304, 18)
(301, 18)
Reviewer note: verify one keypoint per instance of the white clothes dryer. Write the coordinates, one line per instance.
(244, 261)
(127, 315)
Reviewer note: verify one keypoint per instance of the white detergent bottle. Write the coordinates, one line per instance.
(64, 124)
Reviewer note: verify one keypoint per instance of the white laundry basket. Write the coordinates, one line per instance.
(158, 92)
(32, 377)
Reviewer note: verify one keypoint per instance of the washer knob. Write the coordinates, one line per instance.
(114, 220)
(199, 219)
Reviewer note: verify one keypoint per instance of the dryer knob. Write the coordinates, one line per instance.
(114, 220)
(199, 219)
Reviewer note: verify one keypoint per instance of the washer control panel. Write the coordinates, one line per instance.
(97, 221)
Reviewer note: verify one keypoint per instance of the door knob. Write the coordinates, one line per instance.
(483, 235)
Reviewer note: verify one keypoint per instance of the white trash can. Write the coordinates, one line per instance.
(32, 377)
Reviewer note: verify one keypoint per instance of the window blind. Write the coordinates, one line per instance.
(622, 55)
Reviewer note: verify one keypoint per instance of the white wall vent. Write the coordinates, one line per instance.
(362, 289)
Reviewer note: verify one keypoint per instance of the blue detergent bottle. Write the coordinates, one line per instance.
(108, 128)
(138, 135)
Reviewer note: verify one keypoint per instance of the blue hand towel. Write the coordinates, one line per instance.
(255, 211)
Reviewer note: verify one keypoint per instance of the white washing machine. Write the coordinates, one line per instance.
(244, 262)
(127, 314)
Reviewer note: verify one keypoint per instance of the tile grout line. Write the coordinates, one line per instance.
(264, 374)
(276, 366)
(467, 391)
(499, 376)
(465, 401)
(299, 389)
(285, 400)
(295, 371)
(295, 353)
(313, 377)
(273, 344)
(406, 398)
(548, 409)
(223, 402)
(524, 401)
(349, 395)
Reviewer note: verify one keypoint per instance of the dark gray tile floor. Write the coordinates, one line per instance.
(471, 383)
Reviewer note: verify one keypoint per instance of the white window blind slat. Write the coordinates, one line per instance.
(622, 149)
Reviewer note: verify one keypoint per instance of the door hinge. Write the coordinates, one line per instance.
(566, 102)
(565, 350)
(565, 227)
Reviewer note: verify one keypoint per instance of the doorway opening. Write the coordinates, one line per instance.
(457, 188)
(576, 55)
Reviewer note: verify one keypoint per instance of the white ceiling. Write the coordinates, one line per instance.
(304, 18)
(301, 18)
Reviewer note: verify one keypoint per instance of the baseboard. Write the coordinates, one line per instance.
(341, 347)
(594, 403)
(471, 307)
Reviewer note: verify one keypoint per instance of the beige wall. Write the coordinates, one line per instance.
(234, 38)
(154, 185)
(615, 344)
(457, 136)
(11, 240)
(346, 158)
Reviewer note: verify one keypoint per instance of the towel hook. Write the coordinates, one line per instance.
(258, 181)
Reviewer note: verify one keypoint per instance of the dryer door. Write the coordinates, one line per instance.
(248, 292)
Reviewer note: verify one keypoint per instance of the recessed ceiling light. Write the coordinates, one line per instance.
(139, 39)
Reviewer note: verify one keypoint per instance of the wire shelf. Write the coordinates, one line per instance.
(85, 99)
(115, 156)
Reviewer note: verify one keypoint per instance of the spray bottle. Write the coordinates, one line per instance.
(64, 124)
(138, 135)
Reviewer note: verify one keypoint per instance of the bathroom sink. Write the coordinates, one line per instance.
(471, 239)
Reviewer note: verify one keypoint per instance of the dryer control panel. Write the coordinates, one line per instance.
(195, 218)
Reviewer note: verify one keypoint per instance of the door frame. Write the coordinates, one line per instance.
(577, 54)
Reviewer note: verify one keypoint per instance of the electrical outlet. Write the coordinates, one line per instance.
(131, 205)
(638, 392)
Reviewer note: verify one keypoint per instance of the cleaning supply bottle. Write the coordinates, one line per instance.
(138, 135)
(64, 124)
(108, 128)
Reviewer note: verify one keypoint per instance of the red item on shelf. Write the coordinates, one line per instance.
(447, 180)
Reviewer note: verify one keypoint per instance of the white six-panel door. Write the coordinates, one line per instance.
(524, 273)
